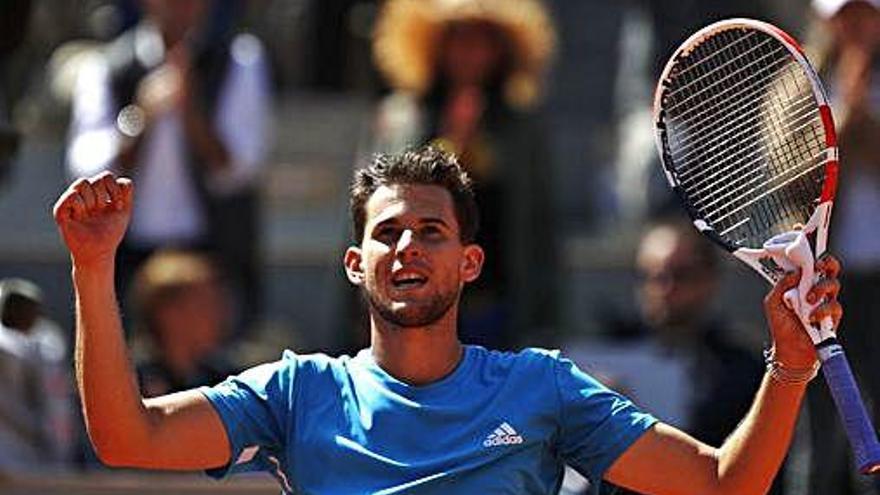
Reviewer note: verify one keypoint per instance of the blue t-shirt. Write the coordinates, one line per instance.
(499, 423)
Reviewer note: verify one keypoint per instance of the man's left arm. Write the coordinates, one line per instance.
(667, 461)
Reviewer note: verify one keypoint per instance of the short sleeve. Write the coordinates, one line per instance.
(255, 408)
(598, 424)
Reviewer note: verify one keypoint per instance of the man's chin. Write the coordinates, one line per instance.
(410, 314)
(411, 317)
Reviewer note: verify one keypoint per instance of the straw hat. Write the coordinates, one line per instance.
(408, 33)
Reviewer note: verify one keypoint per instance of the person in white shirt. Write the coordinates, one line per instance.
(187, 118)
(36, 390)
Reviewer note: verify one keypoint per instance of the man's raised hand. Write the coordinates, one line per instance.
(792, 345)
(92, 216)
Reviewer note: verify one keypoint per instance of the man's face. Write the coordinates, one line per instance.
(411, 262)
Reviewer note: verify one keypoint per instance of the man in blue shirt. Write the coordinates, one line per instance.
(417, 412)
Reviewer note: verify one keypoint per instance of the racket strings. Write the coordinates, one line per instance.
(706, 75)
(715, 59)
(717, 137)
(744, 135)
(718, 92)
(766, 191)
(720, 50)
(739, 109)
(754, 88)
(735, 196)
(694, 175)
(719, 177)
(721, 135)
(741, 112)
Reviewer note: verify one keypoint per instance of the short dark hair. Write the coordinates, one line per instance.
(426, 165)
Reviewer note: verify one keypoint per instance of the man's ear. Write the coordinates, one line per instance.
(472, 262)
(353, 269)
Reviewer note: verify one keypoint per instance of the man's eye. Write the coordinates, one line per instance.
(386, 233)
(432, 232)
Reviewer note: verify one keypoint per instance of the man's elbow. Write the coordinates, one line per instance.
(111, 457)
(118, 450)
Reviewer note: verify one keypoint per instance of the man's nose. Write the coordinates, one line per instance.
(407, 244)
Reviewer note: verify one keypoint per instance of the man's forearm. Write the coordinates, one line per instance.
(751, 456)
(744, 465)
(112, 404)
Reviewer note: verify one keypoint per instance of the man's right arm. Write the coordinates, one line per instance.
(176, 431)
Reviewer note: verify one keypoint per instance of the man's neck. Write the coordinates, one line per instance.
(417, 355)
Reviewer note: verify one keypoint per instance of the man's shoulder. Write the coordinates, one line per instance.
(312, 362)
(526, 360)
(536, 354)
(292, 371)
(292, 362)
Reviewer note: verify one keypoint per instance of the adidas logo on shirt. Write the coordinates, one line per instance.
(503, 435)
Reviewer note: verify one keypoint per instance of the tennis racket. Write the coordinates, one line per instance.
(747, 142)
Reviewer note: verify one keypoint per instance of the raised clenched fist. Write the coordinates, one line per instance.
(92, 216)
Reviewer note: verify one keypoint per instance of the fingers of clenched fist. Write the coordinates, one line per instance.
(823, 294)
(88, 197)
(791, 343)
(828, 266)
(825, 291)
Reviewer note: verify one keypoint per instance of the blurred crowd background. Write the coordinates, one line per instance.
(241, 122)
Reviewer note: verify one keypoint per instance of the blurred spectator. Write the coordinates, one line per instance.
(182, 108)
(678, 275)
(182, 313)
(677, 358)
(339, 44)
(466, 74)
(650, 30)
(845, 47)
(13, 27)
(36, 393)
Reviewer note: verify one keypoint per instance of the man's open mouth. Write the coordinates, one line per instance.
(408, 280)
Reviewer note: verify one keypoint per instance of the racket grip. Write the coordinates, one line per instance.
(842, 384)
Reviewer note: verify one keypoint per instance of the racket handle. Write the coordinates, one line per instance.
(842, 384)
